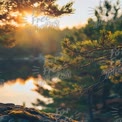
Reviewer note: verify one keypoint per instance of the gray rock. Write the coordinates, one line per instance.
(5, 118)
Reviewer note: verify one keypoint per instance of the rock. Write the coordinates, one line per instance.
(16, 113)
(5, 118)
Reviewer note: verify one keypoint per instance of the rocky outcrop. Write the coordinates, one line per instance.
(17, 113)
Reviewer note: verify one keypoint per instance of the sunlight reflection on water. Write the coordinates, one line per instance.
(19, 91)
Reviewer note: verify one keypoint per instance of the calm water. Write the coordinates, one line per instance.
(19, 91)
(19, 82)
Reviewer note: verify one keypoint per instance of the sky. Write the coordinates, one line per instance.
(81, 14)
(83, 10)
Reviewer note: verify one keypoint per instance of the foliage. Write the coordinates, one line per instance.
(86, 59)
(86, 54)
(12, 12)
(48, 7)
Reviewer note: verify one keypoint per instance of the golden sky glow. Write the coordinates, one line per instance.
(82, 13)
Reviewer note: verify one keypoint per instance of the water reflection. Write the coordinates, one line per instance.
(13, 69)
(19, 91)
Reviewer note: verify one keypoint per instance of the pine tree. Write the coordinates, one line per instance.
(86, 60)
(12, 11)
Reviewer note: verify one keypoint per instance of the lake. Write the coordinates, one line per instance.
(20, 82)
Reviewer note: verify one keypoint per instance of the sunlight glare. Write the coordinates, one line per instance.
(28, 18)
(35, 4)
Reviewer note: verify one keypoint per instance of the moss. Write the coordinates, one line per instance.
(23, 114)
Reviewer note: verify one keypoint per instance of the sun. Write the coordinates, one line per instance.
(28, 18)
